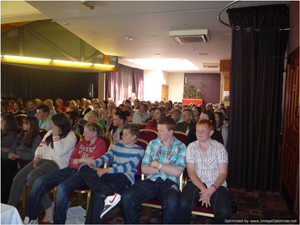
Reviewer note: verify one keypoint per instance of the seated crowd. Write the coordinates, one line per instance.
(59, 160)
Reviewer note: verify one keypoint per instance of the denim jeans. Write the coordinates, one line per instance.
(68, 180)
(167, 192)
(30, 174)
(101, 187)
(219, 201)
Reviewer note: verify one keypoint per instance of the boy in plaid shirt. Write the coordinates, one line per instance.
(164, 161)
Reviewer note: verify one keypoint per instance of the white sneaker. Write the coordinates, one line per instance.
(28, 221)
(110, 202)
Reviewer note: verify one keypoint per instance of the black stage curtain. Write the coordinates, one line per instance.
(257, 65)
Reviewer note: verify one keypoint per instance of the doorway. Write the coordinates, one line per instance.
(165, 92)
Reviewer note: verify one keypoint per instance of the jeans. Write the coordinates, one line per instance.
(30, 174)
(101, 187)
(68, 180)
(167, 192)
(219, 201)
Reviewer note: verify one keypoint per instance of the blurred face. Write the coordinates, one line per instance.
(142, 109)
(92, 118)
(176, 116)
(31, 106)
(69, 117)
(104, 105)
(41, 115)
(152, 113)
(186, 117)
(203, 116)
(167, 105)
(117, 121)
(196, 113)
(163, 133)
(97, 106)
(87, 104)
(209, 108)
(127, 138)
(26, 125)
(58, 103)
(16, 106)
(136, 103)
(149, 104)
(217, 119)
(88, 134)
(73, 103)
(203, 133)
(157, 114)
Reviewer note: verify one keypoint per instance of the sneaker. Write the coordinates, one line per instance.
(28, 221)
(109, 203)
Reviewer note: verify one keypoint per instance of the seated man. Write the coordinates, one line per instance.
(42, 114)
(164, 162)
(142, 112)
(104, 182)
(31, 111)
(207, 163)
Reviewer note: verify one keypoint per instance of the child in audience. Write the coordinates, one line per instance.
(104, 182)
(52, 154)
(67, 179)
(23, 148)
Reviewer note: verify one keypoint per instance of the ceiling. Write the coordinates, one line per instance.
(147, 22)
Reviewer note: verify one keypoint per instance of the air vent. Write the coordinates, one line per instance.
(211, 65)
(190, 36)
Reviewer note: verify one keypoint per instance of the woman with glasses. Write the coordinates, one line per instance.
(68, 179)
(52, 154)
(23, 148)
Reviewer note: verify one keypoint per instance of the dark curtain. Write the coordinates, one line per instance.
(111, 86)
(138, 83)
(125, 82)
(257, 65)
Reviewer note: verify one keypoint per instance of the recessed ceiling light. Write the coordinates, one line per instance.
(203, 53)
(65, 23)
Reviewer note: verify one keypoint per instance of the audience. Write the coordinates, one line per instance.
(176, 115)
(207, 175)
(197, 111)
(59, 106)
(9, 133)
(52, 154)
(23, 148)
(49, 103)
(188, 121)
(142, 112)
(119, 120)
(85, 109)
(42, 114)
(73, 117)
(159, 114)
(67, 179)
(133, 117)
(31, 108)
(220, 127)
(4, 109)
(106, 182)
(17, 108)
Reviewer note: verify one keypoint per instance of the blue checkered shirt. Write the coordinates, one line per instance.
(174, 155)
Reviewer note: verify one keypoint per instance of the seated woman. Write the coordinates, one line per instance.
(108, 115)
(23, 148)
(68, 179)
(59, 106)
(85, 109)
(220, 127)
(207, 176)
(52, 154)
(197, 111)
(188, 123)
(17, 108)
(159, 113)
(119, 120)
(9, 133)
(92, 116)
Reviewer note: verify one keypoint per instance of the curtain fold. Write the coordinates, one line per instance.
(257, 62)
(111, 86)
(138, 83)
(125, 82)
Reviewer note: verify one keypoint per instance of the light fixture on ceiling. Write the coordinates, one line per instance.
(157, 55)
(88, 4)
(65, 23)
(128, 38)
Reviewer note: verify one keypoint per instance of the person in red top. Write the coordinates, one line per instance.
(59, 106)
(159, 113)
(68, 179)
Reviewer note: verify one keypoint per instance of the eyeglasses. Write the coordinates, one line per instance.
(202, 130)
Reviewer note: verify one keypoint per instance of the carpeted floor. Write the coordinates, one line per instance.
(256, 206)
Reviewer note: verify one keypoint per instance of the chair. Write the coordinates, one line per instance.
(20, 118)
(108, 141)
(154, 202)
(141, 125)
(105, 130)
(81, 128)
(148, 135)
(180, 136)
(78, 137)
(142, 143)
(42, 132)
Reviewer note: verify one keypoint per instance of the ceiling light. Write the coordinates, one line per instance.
(96, 64)
(211, 65)
(203, 53)
(90, 5)
(72, 62)
(65, 23)
(172, 64)
(26, 58)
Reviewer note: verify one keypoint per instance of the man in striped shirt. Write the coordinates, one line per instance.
(106, 182)
(163, 163)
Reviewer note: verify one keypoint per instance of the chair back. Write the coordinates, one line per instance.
(105, 130)
(180, 136)
(142, 143)
(78, 137)
(108, 142)
(42, 132)
(20, 118)
(148, 135)
(81, 127)
(141, 125)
